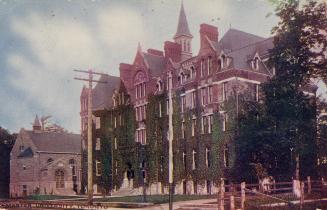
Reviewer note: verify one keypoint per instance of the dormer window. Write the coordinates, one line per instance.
(223, 61)
(159, 85)
(193, 72)
(255, 63)
(181, 76)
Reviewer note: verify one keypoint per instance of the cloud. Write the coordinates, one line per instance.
(43, 72)
(120, 26)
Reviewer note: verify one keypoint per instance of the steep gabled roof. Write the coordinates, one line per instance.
(234, 39)
(157, 64)
(56, 142)
(102, 92)
(182, 27)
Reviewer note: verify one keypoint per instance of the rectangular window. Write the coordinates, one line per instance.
(184, 160)
(167, 108)
(210, 123)
(144, 89)
(193, 99)
(202, 68)
(97, 123)
(208, 157)
(256, 92)
(193, 126)
(183, 129)
(225, 122)
(183, 104)
(209, 94)
(160, 109)
(115, 122)
(205, 124)
(115, 142)
(98, 168)
(203, 96)
(194, 159)
(209, 65)
(226, 157)
(224, 91)
(97, 144)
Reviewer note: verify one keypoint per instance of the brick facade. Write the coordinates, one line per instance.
(224, 68)
(45, 163)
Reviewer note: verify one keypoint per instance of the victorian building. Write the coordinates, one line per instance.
(131, 112)
(45, 162)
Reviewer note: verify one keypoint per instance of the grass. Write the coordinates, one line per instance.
(156, 199)
(48, 197)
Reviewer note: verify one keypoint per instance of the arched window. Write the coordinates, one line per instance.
(50, 160)
(71, 161)
(60, 178)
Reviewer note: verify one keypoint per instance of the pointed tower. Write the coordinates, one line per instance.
(36, 124)
(183, 35)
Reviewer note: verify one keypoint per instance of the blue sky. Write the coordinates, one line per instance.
(42, 41)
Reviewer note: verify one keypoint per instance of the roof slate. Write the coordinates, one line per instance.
(56, 142)
(102, 92)
(182, 27)
(157, 64)
(234, 39)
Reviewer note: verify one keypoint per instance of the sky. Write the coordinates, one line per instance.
(42, 41)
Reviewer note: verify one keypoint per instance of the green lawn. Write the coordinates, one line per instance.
(49, 197)
(156, 199)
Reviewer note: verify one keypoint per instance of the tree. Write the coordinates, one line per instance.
(7, 141)
(282, 129)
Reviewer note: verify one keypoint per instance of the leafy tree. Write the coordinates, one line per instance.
(7, 141)
(273, 133)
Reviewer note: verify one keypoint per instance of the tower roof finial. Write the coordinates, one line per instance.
(139, 48)
(182, 27)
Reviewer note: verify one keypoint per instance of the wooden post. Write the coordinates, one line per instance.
(222, 195)
(302, 194)
(309, 184)
(242, 195)
(232, 203)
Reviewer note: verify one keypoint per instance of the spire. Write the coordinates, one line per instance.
(36, 124)
(139, 48)
(182, 27)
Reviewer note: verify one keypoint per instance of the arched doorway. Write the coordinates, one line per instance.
(60, 178)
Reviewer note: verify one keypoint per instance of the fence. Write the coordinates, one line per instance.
(236, 195)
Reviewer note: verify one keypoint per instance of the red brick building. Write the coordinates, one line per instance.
(226, 67)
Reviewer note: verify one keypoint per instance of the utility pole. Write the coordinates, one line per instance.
(171, 136)
(89, 131)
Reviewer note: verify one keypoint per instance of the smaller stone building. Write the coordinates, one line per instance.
(44, 162)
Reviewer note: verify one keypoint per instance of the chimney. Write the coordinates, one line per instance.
(173, 50)
(155, 52)
(210, 31)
